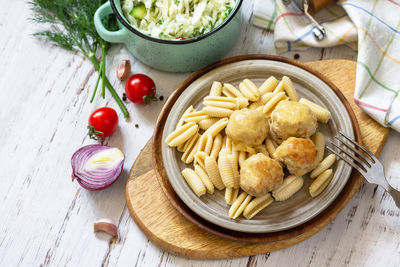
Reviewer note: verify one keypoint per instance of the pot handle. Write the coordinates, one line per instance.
(110, 36)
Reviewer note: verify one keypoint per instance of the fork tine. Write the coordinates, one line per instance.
(360, 170)
(358, 153)
(363, 148)
(348, 154)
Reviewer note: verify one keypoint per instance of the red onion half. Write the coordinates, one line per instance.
(96, 167)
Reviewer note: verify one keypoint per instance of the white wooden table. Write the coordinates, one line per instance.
(47, 219)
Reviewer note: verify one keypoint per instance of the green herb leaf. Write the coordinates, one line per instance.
(70, 25)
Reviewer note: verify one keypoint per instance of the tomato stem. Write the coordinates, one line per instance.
(95, 135)
(148, 98)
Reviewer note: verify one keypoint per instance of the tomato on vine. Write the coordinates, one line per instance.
(102, 123)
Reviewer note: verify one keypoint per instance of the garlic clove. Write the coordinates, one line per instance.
(124, 69)
(106, 225)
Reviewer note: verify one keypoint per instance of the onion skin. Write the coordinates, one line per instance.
(96, 179)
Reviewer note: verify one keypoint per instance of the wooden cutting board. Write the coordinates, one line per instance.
(167, 228)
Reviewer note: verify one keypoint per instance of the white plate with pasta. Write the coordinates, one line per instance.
(229, 139)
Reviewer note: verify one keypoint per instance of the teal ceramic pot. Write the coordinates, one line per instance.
(174, 56)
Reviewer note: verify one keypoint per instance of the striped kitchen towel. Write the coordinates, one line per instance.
(376, 26)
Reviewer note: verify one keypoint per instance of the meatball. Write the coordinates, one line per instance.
(260, 174)
(298, 154)
(247, 126)
(292, 119)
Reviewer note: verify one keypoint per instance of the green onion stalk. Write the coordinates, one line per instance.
(70, 26)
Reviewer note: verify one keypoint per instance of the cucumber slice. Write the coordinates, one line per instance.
(138, 11)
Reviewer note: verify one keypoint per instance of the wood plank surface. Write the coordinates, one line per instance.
(47, 220)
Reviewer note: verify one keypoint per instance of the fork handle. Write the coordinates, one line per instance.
(393, 192)
(395, 195)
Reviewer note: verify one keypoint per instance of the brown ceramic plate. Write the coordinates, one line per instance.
(278, 216)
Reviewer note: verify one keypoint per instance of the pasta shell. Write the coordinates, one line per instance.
(255, 105)
(291, 185)
(242, 102)
(231, 91)
(289, 88)
(216, 147)
(271, 147)
(221, 101)
(200, 157)
(217, 112)
(217, 127)
(231, 195)
(207, 123)
(209, 145)
(269, 107)
(204, 178)
(323, 166)
(205, 144)
(181, 147)
(321, 183)
(224, 141)
(235, 170)
(242, 157)
(323, 115)
(319, 142)
(211, 167)
(257, 205)
(225, 169)
(224, 105)
(262, 149)
(187, 143)
(279, 88)
(216, 89)
(194, 181)
(265, 98)
(239, 205)
(249, 90)
(195, 116)
(191, 149)
(235, 153)
(228, 144)
(238, 146)
(268, 86)
(181, 120)
(182, 134)
(261, 102)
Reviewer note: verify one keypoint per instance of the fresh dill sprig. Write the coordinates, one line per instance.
(71, 26)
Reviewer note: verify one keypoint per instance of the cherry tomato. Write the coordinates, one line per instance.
(102, 123)
(140, 89)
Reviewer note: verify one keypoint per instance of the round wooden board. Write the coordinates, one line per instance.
(167, 228)
(189, 214)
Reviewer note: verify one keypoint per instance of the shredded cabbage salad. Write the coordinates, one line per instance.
(176, 19)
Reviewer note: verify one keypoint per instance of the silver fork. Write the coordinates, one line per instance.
(365, 163)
